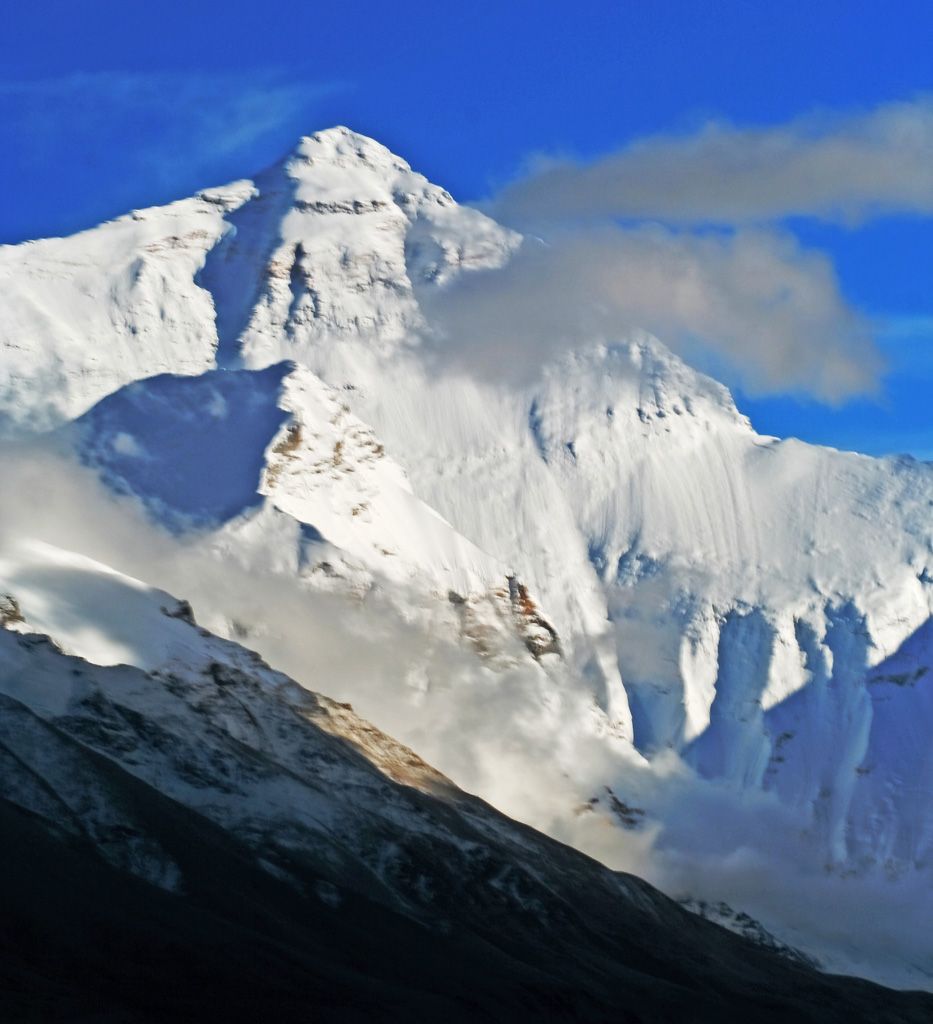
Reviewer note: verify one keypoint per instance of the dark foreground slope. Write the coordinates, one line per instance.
(160, 862)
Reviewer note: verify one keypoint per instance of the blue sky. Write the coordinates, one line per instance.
(105, 106)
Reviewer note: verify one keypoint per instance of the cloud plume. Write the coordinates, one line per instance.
(837, 167)
(687, 236)
(772, 309)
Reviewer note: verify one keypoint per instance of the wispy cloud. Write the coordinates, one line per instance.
(917, 327)
(175, 115)
(140, 137)
(839, 167)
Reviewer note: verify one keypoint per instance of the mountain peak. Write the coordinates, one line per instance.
(341, 147)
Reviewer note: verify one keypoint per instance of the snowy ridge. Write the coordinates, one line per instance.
(176, 720)
(119, 303)
(327, 468)
(742, 924)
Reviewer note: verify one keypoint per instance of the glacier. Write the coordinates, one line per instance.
(596, 589)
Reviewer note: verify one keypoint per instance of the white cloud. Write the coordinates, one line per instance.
(718, 282)
(840, 167)
(755, 298)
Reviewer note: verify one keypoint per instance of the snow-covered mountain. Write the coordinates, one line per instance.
(597, 590)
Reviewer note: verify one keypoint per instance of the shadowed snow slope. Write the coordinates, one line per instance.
(192, 446)
(685, 600)
(251, 847)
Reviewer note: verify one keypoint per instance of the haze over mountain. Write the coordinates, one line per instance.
(581, 587)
